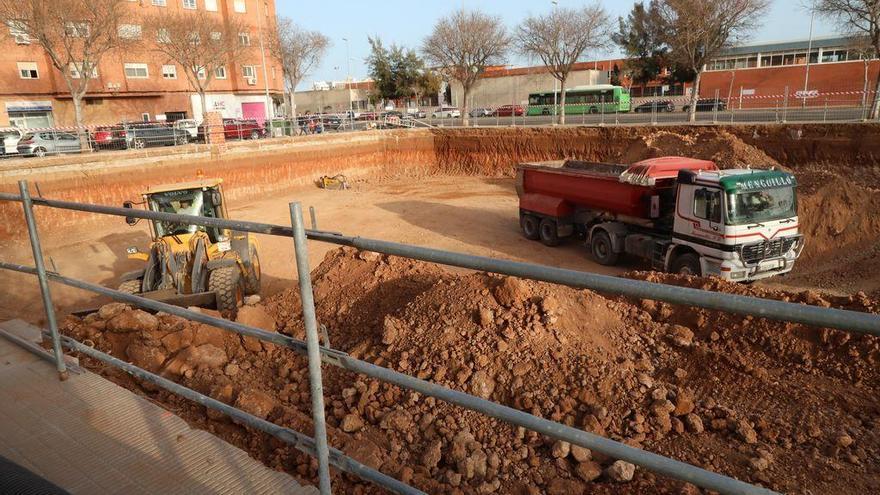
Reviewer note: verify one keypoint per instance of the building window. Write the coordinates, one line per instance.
(220, 73)
(169, 72)
(189, 4)
(77, 29)
(249, 71)
(28, 70)
(211, 5)
(200, 73)
(18, 33)
(136, 71)
(195, 38)
(159, 3)
(130, 31)
(75, 73)
(244, 39)
(216, 35)
(162, 36)
(239, 6)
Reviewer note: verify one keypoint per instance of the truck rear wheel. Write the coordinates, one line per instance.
(549, 232)
(687, 264)
(530, 227)
(225, 282)
(602, 249)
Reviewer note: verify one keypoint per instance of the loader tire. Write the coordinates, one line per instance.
(130, 286)
(254, 274)
(226, 284)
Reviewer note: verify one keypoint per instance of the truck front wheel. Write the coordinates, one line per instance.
(530, 228)
(687, 264)
(549, 232)
(603, 250)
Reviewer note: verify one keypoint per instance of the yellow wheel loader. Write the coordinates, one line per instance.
(191, 265)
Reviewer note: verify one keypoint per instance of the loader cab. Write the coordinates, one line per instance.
(201, 198)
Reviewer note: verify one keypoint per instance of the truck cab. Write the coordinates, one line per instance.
(743, 224)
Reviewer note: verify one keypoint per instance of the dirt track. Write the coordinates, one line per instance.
(787, 406)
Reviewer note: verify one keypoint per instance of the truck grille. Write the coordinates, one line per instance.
(774, 248)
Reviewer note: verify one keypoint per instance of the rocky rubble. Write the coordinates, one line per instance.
(778, 404)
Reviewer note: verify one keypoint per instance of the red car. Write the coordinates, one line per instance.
(243, 129)
(510, 110)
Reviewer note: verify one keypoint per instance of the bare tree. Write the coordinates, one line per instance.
(75, 34)
(200, 42)
(300, 51)
(697, 30)
(463, 45)
(561, 38)
(859, 19)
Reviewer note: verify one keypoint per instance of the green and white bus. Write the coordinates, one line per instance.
(601, 98)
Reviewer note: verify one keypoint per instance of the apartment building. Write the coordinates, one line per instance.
(141, 84)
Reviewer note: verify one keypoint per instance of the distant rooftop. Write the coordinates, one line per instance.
(786, 45)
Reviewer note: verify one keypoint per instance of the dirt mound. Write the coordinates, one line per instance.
(780, 404)
(718, 145)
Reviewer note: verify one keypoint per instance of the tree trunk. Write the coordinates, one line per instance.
(875, 105)
(562, 103)
(464, 105)
(203, 98)
(81, 133)
(695, 96)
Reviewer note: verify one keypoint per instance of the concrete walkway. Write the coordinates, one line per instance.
(88, 435)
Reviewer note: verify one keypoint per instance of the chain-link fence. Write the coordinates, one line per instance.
(735, 105)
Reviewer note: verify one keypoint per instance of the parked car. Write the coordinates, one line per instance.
(707, 104)
(109, 138)
(9, 139)
(331, 121)
(446, 113)
(509, 111)
(480, 112)
(48, 143)
(416, 113)
(140, 136)
(655, 106)
(191, 126)
(243, 129)
(367, 116)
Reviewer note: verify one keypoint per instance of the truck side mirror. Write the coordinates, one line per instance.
(130, 220)
(216, 198)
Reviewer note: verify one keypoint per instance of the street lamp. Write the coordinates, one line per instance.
(809, 54)
(348, 77)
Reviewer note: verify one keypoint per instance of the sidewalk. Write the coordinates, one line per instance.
(88, 435)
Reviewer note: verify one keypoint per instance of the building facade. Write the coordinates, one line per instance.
(762, 75)
(140, 84)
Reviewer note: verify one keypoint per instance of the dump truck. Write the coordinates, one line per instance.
(192, 265)
(681, 214)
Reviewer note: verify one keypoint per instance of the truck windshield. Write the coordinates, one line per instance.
(761, 206)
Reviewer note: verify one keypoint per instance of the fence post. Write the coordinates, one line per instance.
(314, 353)
(785, 106)
(44, 280)
(314, 218)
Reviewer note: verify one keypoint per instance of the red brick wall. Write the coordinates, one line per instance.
(838, 84)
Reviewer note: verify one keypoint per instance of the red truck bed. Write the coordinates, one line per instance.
(559, 191)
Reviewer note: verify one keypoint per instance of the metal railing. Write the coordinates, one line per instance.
(823, 317)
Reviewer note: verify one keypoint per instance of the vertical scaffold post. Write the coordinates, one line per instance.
(43, 279)
(314, 353)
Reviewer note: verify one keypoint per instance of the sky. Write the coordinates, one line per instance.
(407, 22)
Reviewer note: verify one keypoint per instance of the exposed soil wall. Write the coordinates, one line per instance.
(247, 172)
